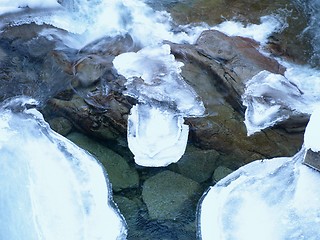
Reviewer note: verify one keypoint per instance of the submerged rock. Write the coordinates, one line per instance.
(60, 125)
(167, 194)
(121, 175)
(220, 172)
(197, 164)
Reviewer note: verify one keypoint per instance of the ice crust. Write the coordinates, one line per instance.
(156, 136)
(7, 6)
(272, 98)
(153, 74)
(50, 188)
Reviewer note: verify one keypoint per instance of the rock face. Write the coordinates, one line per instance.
(167, 193)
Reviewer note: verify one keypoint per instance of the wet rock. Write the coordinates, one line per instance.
(121, 175)
(31, 65)
(197, 164)
(109, 121)
(90, 68)
(95, 59)
(220, 173)
(168, 194)
(110, 46)
(60, 125)
(230, 60)
(217, 67)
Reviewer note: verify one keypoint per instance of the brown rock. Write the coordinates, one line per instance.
(108, 124)
(217, 67)
(230, 60)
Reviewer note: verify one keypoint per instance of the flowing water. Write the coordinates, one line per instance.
(292, 25)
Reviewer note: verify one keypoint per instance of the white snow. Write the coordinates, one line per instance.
(266, 199)
(50, 188)
(156, 136)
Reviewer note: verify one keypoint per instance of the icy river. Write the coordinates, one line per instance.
(131, 119)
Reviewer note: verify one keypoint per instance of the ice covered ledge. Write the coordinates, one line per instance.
(156, 135)
(50, 188)
(266, 199)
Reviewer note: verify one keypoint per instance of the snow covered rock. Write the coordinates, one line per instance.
(270, 98)
(50, 188)
(266, 199)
